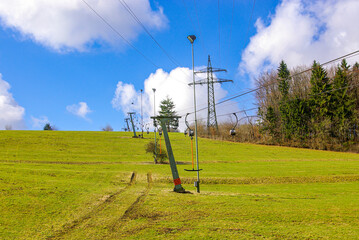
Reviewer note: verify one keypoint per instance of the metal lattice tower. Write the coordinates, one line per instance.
(212, 124)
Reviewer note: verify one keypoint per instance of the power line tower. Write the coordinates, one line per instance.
(212, 124)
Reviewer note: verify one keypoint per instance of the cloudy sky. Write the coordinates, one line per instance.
(81, 64)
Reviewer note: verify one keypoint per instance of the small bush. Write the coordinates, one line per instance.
(108, 128)
(161, 157)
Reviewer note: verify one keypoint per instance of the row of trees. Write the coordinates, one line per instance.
(317, 106)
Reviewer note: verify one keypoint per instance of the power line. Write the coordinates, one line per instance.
(189, 15)
(199, 26)
(230, 31)
(352, 54)
(331, 90)
(126, 41)
(291, 76)
(227, 114)
(119, 34)
(244, 110)
(250, 19)
(129, 10)
(219, 35)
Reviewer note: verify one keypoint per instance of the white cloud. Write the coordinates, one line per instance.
(39, 122)
(70, 24)
(81, 110)
(302, 31)
(12, 115)
(174, 85)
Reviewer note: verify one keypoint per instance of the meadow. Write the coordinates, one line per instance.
(102, 185)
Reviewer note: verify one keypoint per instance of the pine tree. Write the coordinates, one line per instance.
(283, 78)
(48, 127)
(167, 107)
(343, 102)
(283, 86)
(271, 122)
(320, 92)
(299, 116)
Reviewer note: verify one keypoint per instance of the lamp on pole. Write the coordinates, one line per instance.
(154, 114)
(191, 38)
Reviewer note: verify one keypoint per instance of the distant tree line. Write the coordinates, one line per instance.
(316, 108)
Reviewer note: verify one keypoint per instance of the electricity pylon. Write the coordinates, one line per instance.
(210, 80)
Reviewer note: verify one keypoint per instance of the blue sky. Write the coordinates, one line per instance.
(61, 63)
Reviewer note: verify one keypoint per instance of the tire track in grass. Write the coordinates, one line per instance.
(133, 211)
(67, 228)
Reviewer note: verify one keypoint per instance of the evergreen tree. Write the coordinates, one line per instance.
(167, 107)
(299, 115)
(283, 78)
(320, 93)
(48, 127)
(343, 102)
(271, 122)
(283, 86)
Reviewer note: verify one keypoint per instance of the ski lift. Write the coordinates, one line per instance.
(191, 134)
(232, 132)
(154, 123)
(175, 124)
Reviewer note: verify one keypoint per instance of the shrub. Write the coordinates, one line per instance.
(108, 128)
(161, 157)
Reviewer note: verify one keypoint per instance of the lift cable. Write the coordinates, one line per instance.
(129, 10)
(219, 35)
(331, 90)
(124, 39)
(230, 29)
(119, 34)
(199, 26)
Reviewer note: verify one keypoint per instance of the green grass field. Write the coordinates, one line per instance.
(102, 185)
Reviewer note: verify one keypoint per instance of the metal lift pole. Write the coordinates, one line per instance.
(128, 126)
(141, 116)
(191, 38)
(154, 121)
(133, 125)
(176, 179)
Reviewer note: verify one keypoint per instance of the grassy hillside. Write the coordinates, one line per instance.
(77, 185)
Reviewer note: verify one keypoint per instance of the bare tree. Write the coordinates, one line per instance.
(108, 128)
